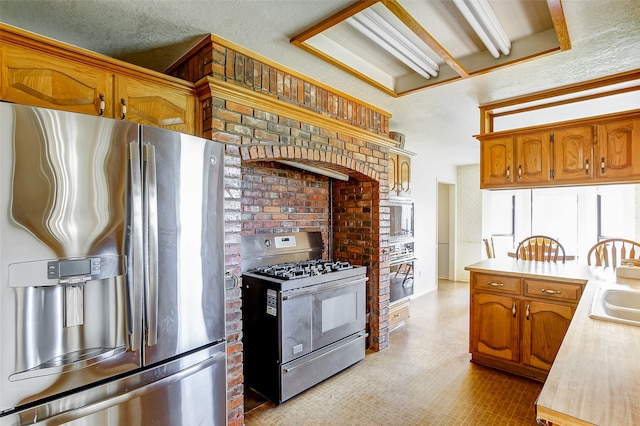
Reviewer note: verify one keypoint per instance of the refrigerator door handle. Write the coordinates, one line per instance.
(135, 276)
(151, 225)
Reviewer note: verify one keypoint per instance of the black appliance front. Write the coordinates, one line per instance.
(295, 339)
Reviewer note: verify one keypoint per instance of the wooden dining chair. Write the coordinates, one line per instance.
(488, 245)
(540, 248)
(612, 251)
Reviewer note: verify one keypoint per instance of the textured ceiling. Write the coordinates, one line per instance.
(605, 39)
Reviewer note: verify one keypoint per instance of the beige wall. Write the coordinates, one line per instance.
(469, 219)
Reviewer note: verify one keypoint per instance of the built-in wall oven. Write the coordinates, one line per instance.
(304, 320)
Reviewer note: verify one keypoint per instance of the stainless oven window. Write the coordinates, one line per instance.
(401, 218)
(339, 310)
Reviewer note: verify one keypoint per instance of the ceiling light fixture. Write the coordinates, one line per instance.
(381, 32)
(484, 22)
(319, 170)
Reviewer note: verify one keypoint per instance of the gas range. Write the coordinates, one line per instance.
(292, 260)
(291, 276)
(303, 269)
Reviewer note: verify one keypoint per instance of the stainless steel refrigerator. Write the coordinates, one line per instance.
(111, 272)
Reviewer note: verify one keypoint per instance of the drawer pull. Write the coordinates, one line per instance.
(544, 290)
(492, 284)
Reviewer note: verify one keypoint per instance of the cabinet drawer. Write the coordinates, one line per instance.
(499, 283)
(553, 290)
(398, 313)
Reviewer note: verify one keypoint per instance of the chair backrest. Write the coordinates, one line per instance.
(488, 245)
(612, 251)
(540, 248)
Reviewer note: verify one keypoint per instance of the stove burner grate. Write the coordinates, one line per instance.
(303, 269)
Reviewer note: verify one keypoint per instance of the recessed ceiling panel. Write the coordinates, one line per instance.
(400, 46)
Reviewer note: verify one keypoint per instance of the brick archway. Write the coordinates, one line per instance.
(273, 196)
(321, 157)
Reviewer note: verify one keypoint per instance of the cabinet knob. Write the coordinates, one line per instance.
(513, 309)
(102, 104)
(586, 167)
(124, 108)
(520, 172)
(508, 172)
(602, 165)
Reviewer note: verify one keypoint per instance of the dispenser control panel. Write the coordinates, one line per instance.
(70, 271)
(73, 270)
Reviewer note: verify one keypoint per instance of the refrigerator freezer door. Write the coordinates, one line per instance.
(65, 307)
(185, 242)
(187, 391)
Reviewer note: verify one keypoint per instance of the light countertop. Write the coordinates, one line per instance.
(595, 378)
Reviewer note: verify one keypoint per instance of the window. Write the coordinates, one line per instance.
(577, 216)
(502, 221)
(615, 212)
(554, 212)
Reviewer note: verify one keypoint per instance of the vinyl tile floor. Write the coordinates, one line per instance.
(424, 377)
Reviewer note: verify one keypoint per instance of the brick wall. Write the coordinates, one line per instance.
(262, 195)
(359, 239)
(213, 57)
(276, 198)
(232, 224)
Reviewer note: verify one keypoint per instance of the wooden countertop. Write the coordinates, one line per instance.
(595, 378)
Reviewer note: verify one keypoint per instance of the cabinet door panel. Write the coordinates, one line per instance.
(155, 104)
(619, 157)
(497, 162)
(404, 175)
(40, 79)
(573, 159)
(495, 326)
(544, 327)
(533, 159)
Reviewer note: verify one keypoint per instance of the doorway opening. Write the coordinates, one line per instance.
(446, 231)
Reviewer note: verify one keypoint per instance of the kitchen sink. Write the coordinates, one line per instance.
(617, 305)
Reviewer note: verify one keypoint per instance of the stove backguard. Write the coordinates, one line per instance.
(271, 249)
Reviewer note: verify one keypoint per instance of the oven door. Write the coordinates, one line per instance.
(316, 316)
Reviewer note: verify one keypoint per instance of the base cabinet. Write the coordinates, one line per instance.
(517, 324)
(398, 313)
(495, 327)
(543, 329)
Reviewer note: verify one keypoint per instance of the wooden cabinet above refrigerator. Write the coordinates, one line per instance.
(38, 71)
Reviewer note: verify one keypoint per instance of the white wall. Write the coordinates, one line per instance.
(427, 168)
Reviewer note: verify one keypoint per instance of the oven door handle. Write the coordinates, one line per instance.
(317, 288)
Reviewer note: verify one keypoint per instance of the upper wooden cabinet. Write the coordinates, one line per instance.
(399, 174)
(591, 151)
(496, 162)
(533, 162)
(148, 103)
(573, 153)
(36, 78)
(619, 149)
(41, 72)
